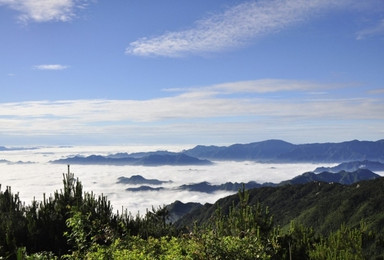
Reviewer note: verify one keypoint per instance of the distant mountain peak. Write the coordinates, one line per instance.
(138, 179)
(342, 177)
(279, 151)
(353, 166)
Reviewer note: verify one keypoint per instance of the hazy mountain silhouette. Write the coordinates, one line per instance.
(281, 151)
(151, 159)
(353, 166)
(341, 177)
(138, 179)
(266, 151)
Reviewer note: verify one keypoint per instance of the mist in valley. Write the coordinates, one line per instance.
(30, 173)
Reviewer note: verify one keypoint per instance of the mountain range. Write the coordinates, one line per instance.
(18, 162)
(228, 186)
(150, 159)
(276, 151)
(353, 166)
(342, 177)
(183, 210)
(284, 152)
(325, 206)
(3, 148)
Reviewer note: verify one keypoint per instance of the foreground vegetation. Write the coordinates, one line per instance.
(72, 224)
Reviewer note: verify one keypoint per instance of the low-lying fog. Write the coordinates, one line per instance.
(31, 180)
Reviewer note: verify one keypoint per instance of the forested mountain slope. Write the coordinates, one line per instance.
(324, 206)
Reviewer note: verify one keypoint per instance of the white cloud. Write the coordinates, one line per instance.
(233, 28)
(377, 29)
(45, 178)
(270, 85)
(51, 67)
(44, 10)
(198, 113)
(376, 91)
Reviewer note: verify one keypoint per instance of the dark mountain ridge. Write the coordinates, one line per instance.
(342, 177)
(144, 188)
(138, 179)
(178, 209)
(322, 205)
(228, 186)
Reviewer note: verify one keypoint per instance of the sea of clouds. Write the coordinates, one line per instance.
(37, 175)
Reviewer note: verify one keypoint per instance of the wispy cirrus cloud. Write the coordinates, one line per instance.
(270, 86)
(375, 30)
(50, 67)
(261, 86)
(232, 28)
(376, 91)
(45, 10)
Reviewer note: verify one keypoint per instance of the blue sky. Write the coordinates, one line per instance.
(190, 72)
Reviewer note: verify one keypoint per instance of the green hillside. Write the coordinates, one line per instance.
(324, 206)
(308, 221)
